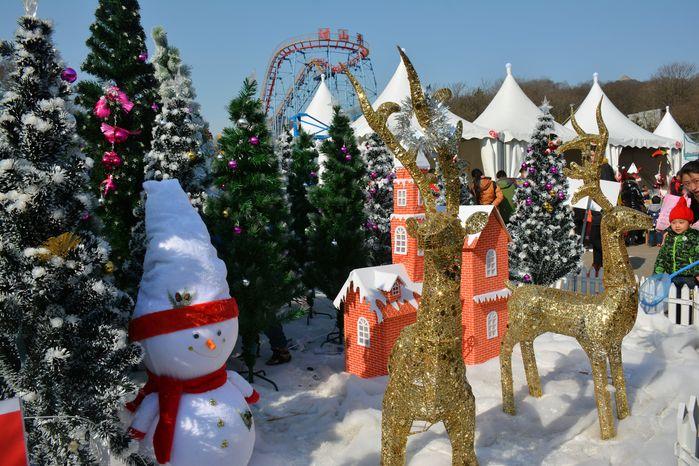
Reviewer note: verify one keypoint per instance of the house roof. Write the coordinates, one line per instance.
(622, 131)
(465, 211)
(512, 114)
(669, 128)
(371, 282)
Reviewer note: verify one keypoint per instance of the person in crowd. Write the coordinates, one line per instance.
(606, 173)
(631, 196)
(681, 246)
(655, 237)
(485, 190)
(676, 183)
(508, 187)
(689, 178)
(279, 344)
(522, 176)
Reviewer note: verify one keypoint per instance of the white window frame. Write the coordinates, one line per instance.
(402, 197)
(491, 263)
(491, 325)
(395, 290)
(363, 333)
(400, 242)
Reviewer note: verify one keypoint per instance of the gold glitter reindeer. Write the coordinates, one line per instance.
(427, 376)
(599, 322)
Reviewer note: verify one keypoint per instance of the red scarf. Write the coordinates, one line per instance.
(170, 391)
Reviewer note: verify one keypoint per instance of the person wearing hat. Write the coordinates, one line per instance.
(681, 246)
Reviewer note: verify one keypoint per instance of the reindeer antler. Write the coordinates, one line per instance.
(378, 122)
(589, 172)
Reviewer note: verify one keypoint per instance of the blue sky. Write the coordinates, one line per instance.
(225, 40)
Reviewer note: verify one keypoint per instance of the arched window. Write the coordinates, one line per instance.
(363, 335)
(492, 324)
(395, 290)
(491, 263)
(401, 241)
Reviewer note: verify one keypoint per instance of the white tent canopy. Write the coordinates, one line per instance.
(622, 131)
(320, 109)
(669, 128)
(514, 117)
(397, 90)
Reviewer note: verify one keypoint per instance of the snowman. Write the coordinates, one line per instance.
(191, 410)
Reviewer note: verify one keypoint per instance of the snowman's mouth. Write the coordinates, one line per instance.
(210, 354)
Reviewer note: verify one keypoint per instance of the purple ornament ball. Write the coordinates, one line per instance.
(143, 56)
(561, 195)
(527, 278)
(528, 202)
(348, 157)
(526, 184)
(344, 149)
(524, 166)
(532, 170)
(232, 164)
(553, 170)
(69, 75)
(237, 230)
(549, 186)
(254, 140)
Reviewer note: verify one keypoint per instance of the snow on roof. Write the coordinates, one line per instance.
(397, 90)
(513, 115)
(492, 296)
(465, 211)
(371, 281)
(669, 128)
(320, 108)
(622, 131)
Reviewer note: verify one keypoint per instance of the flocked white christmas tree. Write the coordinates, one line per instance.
(545, 246)
(182, 146)
(63, 342)
(379, 195)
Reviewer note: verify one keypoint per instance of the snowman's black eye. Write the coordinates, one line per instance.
(218, 333)
(196, 335)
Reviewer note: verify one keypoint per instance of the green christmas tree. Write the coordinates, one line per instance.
(544, 246)
(248, 218)
(379, 198)
(63, 343)
(118, 57)
(337, 235)
(302, 176)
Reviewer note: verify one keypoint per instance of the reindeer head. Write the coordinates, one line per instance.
(439, 229)
(616, 219)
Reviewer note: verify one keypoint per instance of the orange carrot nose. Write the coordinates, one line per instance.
(210, 343)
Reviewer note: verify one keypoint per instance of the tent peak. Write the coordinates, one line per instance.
(322, 77)
(667, 108)
(595, 77)
(508, 68)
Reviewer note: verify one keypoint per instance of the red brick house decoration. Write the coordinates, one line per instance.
(380, 301)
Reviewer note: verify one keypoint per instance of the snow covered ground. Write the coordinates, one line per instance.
(323, 416)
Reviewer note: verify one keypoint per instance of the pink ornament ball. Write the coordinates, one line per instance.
(232, 164)
(549, 186)
(532, 170)
(553, 170)
(348, 157)
(373, 175)
(313, 174)
(561, 195)
(344, 149)
(528, 202)
(111, 160)
(143, 56)
(527, 278)
(69, 75)
(154, 107)
(526, 184)
(237, 230)
(254, 140)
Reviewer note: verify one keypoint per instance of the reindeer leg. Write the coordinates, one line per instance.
(461, 433)
(395, 428)
(598, 361)
(529, 360)
(508, 398)
(617, 369)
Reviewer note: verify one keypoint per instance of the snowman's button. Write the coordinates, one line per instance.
(224, 444)
(220, 423)
(213, 402)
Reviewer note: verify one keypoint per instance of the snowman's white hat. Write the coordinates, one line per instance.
(180, 260)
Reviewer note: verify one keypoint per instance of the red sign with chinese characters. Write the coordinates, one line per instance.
(13, 448)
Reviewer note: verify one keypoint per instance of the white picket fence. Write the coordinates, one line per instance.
(681, 307)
